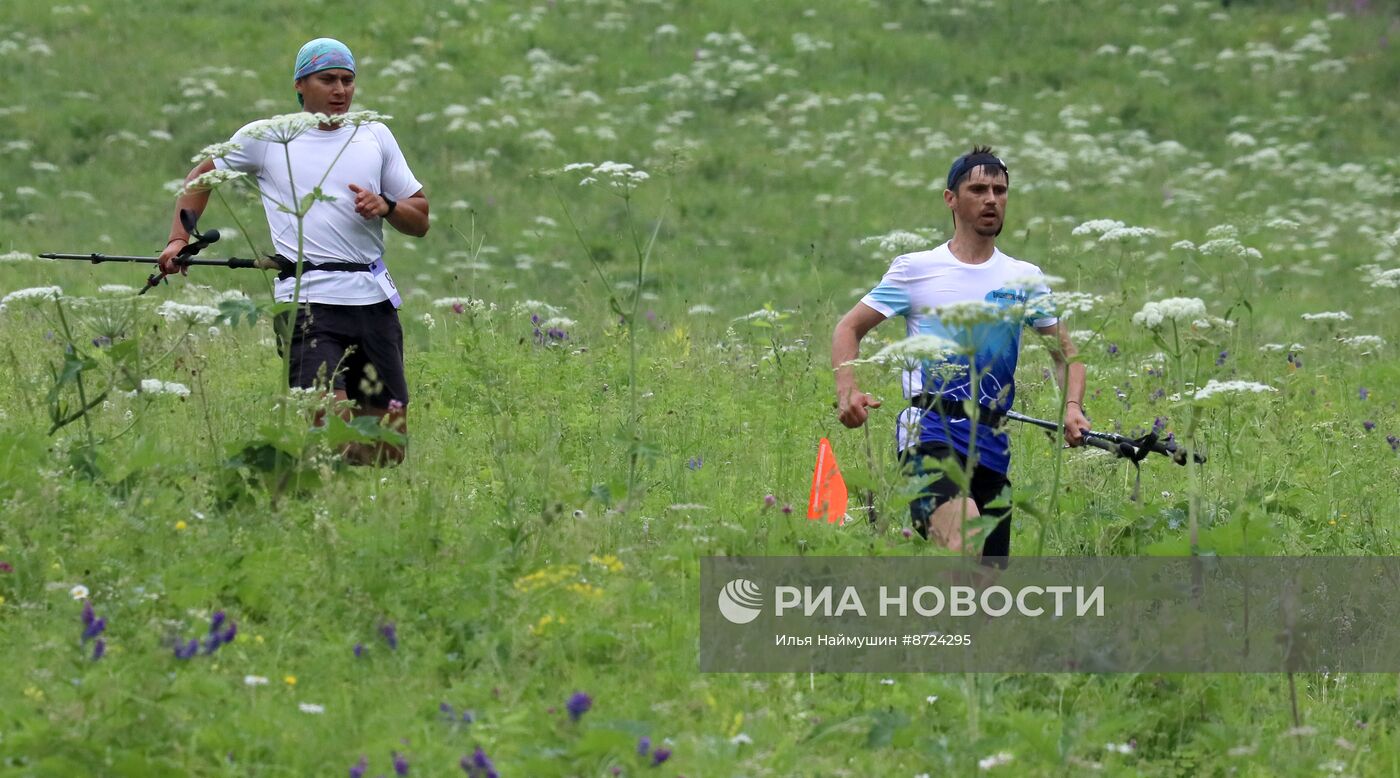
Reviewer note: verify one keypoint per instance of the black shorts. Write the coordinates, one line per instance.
(355, 348)
(987, 485)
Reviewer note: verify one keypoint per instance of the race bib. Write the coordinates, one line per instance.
(381, 275)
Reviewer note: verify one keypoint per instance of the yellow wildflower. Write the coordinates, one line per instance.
(546, 578)
(290, 680)
(545, 621)
(181, 526)
(611, 563)
(586, 589)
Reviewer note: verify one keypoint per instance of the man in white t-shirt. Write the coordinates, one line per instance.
(969, 294)
(346, 334)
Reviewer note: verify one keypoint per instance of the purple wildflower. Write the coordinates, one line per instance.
(907, 533)
(1159, 394)
(6, 568)
(391, 635)
(99, 649)
(769, 501)
(1393, 441)
(358, 769)
(459, 308)
(578, 705)
(1363, 393)
(1112, 348)
(644, 746)
(217, 640)
(187, 650)
(216, 621)
(92, 625)
(659, 756)
(94, 629)
(787, 508)
(1220, 360)
(535, 319)
(1159, 423)
(359, 650)
(101, 341)
(695, 463)
(400, 764)
(479, 765)
(1368, 425)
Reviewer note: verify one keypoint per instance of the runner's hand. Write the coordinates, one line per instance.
(851, 407)
(167, 257)
(368, 204)
(1075, 425)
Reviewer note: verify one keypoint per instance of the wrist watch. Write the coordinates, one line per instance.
(392, 204)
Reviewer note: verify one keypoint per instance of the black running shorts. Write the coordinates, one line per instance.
(987, 485)
(355, 348)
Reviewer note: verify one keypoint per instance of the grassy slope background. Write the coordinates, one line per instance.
(794, 132)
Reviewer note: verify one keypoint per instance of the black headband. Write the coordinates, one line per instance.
(969, 162)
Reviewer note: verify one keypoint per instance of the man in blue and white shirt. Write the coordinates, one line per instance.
(971, 295)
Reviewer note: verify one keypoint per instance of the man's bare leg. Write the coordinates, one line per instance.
(378, 454)
(945, 525)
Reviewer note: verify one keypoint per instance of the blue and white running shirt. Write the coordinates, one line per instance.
(918, 284)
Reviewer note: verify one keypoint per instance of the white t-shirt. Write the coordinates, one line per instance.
(333, 232)
(918, 284)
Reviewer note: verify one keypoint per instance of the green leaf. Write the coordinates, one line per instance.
(233, 311)
(886, 724)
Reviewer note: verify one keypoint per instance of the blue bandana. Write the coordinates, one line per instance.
(970, 162)
(322, 54)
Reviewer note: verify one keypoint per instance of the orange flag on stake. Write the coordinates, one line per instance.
(828, 498)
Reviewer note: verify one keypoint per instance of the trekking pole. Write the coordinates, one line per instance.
(1136, 449)
(186, 256)
(201, 241)
(266, 263)
(870, 492)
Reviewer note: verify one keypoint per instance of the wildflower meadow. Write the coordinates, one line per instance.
(647, 217)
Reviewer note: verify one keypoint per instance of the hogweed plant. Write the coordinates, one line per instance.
(1214, 394)
(103, 358)
(621, 180)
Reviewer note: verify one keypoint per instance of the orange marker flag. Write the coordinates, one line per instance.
(828, 498)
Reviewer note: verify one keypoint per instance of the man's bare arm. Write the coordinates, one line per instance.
(194, 201)
(845, 346)
(410, 216)
(1069, 376)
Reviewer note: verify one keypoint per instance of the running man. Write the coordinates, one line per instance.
(967, 269)
(347, 334)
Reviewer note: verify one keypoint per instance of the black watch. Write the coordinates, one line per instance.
(392, 205)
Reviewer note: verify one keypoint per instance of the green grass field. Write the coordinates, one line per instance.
(544, 536)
